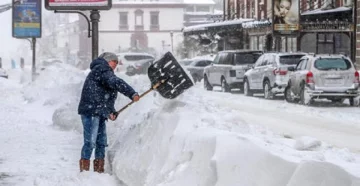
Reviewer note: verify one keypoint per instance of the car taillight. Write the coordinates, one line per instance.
(310, 78)
(280, 72)
(357, 80)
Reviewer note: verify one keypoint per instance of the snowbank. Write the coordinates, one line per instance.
(195, 141)
(189, 142)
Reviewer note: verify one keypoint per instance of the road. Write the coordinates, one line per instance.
(338, 125)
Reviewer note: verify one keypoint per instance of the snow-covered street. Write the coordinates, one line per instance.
(201, 138)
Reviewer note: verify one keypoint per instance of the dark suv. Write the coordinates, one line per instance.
(228, 69)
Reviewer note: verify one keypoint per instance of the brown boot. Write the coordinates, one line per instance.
(99, 165)
(84, 165)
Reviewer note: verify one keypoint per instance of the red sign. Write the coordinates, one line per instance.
(78, 4)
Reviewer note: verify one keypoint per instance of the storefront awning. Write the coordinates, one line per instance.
(327, 11)
(204, 27)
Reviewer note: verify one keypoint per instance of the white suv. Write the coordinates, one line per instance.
(331, 77)
(270, 74)
(228, 69)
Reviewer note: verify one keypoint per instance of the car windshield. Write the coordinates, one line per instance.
(246, 58)
(290, 59)
(185, 62)
(332, 64)
(137, 57)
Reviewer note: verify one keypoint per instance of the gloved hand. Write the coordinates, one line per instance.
(113, 116)
(136, 97)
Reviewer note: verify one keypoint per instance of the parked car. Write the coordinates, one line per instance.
(196, 69)
(228, 69)
(270, 74)
(185, 62)
(126, 59)
(139, 67)
(48, 62)
(3, 73)
(332, 77)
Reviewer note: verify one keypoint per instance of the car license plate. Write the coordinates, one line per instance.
(333, 81)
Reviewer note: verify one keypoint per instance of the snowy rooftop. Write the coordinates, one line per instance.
(216, 24)
(252, 24)
(321, 11)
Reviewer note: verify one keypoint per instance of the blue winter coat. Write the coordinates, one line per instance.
(100, 90)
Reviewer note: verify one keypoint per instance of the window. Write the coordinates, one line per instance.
(259, 61)
(303, 66)
(290, 59)
(202, 8)
(202, 63)
(332, 64)
(299, 65)
(217, 59)
(271, 60)
(154, 20)
(139, 20)
(124, 21)
(246, 58)
(223, 57)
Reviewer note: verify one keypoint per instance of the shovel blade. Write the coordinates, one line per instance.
(167, 69)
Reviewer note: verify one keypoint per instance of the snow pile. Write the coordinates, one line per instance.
(56, 84)
(191, 141)
(307, 143)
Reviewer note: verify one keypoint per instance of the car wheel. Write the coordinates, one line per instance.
(287, 94)
(304, 97)
(224, 86)
(267, 90)
(207, 85)
(247, 91)
(352, 101)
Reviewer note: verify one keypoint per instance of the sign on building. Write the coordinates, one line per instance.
(286, 17)
(78, 4)
(26, 19)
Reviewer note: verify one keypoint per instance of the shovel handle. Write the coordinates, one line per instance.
(142, 95)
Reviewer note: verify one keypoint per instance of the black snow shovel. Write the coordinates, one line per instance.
(167, 77)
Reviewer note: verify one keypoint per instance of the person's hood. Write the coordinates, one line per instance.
(99, 61)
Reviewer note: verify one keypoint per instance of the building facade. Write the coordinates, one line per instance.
(199, 12)
(325, 26)
(146, 26)
(61, 38)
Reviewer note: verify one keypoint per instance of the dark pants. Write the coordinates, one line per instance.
(94, 137)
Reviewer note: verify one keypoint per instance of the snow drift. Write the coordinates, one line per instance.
(195, 141)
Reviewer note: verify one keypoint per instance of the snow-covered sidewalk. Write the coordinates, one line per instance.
(33, 150)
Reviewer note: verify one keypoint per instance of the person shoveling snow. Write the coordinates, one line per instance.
(100, 92)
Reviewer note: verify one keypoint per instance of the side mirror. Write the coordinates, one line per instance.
(292, 69)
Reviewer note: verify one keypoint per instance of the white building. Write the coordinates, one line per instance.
(148, 25)
(60, 38)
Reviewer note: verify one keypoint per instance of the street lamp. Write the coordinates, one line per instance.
(172, 41)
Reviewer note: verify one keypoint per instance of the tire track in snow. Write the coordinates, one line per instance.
(288, 119)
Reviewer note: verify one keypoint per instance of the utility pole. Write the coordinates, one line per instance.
(33, 67)
(95, 18)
